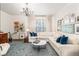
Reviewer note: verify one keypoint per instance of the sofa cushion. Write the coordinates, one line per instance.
(73, 40)
(63, 40)
(45, 34)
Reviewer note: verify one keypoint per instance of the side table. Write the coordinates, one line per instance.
(26, 40)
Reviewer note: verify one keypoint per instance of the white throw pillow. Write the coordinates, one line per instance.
(73, 40)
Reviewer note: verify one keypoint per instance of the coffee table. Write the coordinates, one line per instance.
(41, 44)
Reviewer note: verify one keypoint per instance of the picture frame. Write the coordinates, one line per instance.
(77, 19)
(59, 24)
(72, 18)
(66, 20)
(76, 28)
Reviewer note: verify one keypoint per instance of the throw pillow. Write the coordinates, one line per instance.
(30, 33)
(58, 39)
(64, 40)
(35, 34)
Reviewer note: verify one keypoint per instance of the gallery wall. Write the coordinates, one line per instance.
(67, 10)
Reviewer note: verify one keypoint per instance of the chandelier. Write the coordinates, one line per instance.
(27, 11)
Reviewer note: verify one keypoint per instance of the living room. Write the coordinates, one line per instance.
(26, 23)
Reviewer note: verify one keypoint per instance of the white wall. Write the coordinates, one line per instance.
(5, 21)
(32, 22)
(21, 19)
(54, 24)
(67, 10)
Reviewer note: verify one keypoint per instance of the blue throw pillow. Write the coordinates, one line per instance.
(30, 34)
(63, 36)
(64, 40)
(35, 34)
(58, 39)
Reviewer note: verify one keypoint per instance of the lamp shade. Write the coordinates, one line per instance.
(27, 30)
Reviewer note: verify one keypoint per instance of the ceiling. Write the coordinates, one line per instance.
(37, 8)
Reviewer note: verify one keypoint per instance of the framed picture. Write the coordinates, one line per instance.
(72, 18)
(59, 23)
(76, 28)
(66, 20)
(77, 19)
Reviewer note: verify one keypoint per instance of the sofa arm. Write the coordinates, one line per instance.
(70, 50)
(1, 48)
(5, 48)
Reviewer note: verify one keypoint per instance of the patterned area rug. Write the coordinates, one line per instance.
(19, 48)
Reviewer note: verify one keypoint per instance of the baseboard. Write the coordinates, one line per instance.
(17, 39)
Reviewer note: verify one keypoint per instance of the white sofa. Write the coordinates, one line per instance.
(70, 49)
(41, 35)
(4, 48)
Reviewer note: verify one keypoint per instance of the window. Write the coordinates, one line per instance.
(40, 24)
